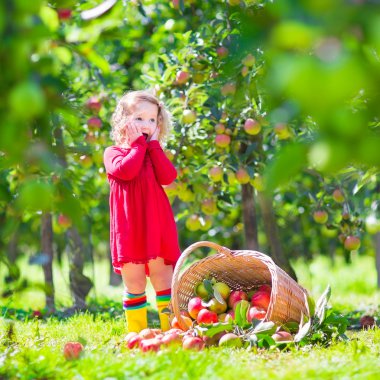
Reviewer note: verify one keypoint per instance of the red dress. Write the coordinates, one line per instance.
(142, 225)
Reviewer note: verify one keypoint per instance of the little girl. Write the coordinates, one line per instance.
(143, 234)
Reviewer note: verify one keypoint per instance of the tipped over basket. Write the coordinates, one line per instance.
(240, 270)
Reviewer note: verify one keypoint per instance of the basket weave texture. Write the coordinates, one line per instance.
(240, 270)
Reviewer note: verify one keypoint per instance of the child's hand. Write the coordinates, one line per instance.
(133, 131)
(155, 134)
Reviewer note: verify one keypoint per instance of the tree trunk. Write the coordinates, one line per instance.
(272, 235)
(47, 249)
(249, 217)
(376, 240)
(80, 285)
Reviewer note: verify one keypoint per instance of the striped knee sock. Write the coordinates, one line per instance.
(134, 306)
(163, 299)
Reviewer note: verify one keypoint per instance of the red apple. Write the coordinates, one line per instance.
(352, 243)
(147, 334)
(94, 104)
(222, 51)
(133, 340)
(261, 299)
(222, 140)
(193, 343)
(94, 122)
(152, 344)
(216, 173)
(230, 340)
(320, 216)
(172, 338)
(182, 77)
(367, 321)
(64, 221)
(64, 14)
(256, 313)
(195, 306)
(37, 314)
(252, 127)
(282, 336)
(207, 317)
(236, 296)
(72, 350)
(265, 288)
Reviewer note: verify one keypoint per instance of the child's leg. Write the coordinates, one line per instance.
(161, 278)
(134, 300)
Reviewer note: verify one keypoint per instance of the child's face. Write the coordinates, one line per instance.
(145, 115)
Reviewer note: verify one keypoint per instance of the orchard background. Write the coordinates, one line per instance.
(276, 136)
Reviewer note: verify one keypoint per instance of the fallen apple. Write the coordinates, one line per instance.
(72, 350)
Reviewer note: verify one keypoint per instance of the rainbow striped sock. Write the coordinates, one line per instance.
(163, 300)
(135, 309)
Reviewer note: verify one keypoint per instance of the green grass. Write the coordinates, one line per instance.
(34, 351)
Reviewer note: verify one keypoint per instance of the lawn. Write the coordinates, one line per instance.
(32, 349)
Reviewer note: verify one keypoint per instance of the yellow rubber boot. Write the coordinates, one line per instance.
(135, 309)
(163, 300)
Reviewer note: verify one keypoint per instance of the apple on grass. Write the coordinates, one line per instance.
(282, 336)
(152, 344)
(193, 343)
(230, 340)
(72, 350)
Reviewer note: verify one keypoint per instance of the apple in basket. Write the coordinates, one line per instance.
(261, 299)
(255, 313)
(235, 297)
(207, 317)
(194, 306)
(223, 289)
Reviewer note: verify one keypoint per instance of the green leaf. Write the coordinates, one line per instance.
(217, 328)
(286, 164)
(311, 304)
(218, 296)
(209, 287)
(241, 314)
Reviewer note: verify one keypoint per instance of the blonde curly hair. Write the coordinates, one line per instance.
(125, 107)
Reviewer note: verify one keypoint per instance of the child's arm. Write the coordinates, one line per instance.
(123, 166)
(164, 169)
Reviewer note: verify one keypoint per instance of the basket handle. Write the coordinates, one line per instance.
(181, 260)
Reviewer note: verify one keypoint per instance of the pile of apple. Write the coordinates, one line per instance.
(215, 302)
(213, 307)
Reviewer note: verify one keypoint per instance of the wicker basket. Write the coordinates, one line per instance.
(241, 270)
